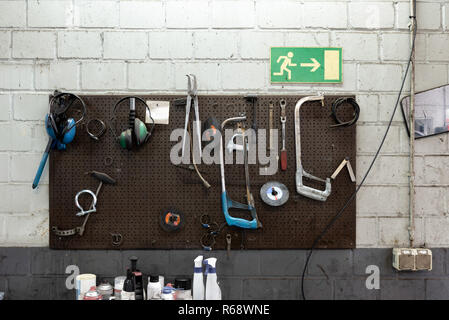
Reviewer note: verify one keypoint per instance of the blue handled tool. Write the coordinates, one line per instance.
(60, 129)
(226, 202)
(43, 162)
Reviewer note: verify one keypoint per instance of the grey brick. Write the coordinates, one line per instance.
(402, 289)
(149, 261)
(51, 262)
(354, 289)
(231, 288)
(14, 261)
(379, 257)
(330, 263)
(181, 261)
(100, 262)
(437, 289)
(270, 289)
(318, 289)
(240, 263)
(32, 287)
(282, 263)
(3, 284)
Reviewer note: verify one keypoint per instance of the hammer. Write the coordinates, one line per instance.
(104, 178)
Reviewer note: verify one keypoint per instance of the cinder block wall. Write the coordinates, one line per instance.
(112, 46)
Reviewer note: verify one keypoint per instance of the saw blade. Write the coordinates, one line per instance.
(274, 193)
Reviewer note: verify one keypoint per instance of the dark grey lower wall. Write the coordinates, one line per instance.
(39, 273)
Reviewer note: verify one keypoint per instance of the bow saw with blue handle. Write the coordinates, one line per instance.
(228, 203)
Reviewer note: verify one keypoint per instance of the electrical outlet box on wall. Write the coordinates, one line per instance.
(411, 259)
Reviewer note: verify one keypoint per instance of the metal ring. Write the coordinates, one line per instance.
(92, 206)
(207, 245)
(108, 161)
(96, 136)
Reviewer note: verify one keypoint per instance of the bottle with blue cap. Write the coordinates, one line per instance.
(213, 291)
(198, 281)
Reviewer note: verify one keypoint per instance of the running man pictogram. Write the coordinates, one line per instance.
(286, 63)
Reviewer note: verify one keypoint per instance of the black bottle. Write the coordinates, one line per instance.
(138, 279)
(128, 292)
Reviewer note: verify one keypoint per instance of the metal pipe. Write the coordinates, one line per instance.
(411, 227)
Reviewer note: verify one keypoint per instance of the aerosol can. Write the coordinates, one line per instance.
(198, 281)
(213, 291)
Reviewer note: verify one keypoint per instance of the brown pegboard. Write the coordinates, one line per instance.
(147, 182)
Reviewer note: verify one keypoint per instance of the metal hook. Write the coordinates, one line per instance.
(92, 207)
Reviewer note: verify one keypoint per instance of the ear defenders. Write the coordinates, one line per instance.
(59, 127)
(61, 130)
(137, 132)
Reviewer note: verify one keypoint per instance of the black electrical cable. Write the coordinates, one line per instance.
(337, 104)
(351, 198)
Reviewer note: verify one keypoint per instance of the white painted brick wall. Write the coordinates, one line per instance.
(34, 44)
(50, 13)
(138, 46)
(96, 14)
(160, 80)
(57, 75)
(232, 14)
(437, 45)
(29, 106)
(102, 76)
(285, 14)
(5, 44)
(141, 14)
(371, 15)
(216, 45)
(187, 14)
(16, 76)
(5, 107)
(174, 44)
(13, 13)
(79, 44)
(125, 45)
(325, 14)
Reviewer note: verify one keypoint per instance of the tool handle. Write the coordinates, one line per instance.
(283, 160)
(42, 164)
(132, 112)
(103, 177)
(233, 221)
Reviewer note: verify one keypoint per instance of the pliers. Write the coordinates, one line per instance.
(192, 95)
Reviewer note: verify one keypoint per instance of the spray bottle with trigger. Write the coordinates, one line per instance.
(213, 291)
(198, 281)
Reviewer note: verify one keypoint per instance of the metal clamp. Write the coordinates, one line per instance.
(306, 191)
(92, 207)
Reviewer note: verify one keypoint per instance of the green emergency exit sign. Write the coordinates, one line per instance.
(306, 65)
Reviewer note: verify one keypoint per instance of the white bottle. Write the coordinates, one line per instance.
(213, 291)
(167, 294)
(154, 288)
(198, 281)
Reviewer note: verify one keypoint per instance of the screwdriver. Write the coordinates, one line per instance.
(283, 104)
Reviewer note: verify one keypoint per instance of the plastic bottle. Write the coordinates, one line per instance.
(213, 291)
(128, 292)
(154, 288)
(167, 293)
(183, 289)
(198, 281)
